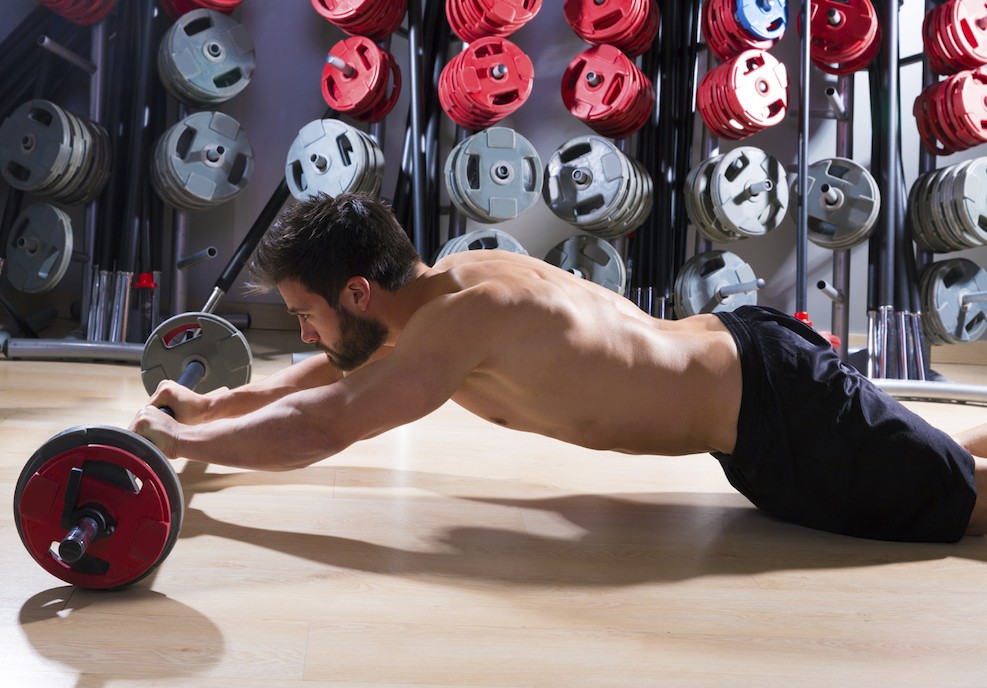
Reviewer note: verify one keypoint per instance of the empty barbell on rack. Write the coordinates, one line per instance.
(493, 175)
(953, 294)
(101, 507)
(715, 281)
(843, 202)
(591, 184)
(330, 156)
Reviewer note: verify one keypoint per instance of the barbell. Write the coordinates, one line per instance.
(101, 507)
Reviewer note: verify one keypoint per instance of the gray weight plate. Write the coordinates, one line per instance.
(934, 210)
(970, 201)
(946, 318)
(39, 248)
(699, 203)
(843, 200)
(591, 258)
(592, 185)
(202, 337)
(487, 238)
(927, 201)
(203, 161)
(494, 175)
(206, 58)
(922, 230)
(942, 209)
(35, 145)
(749, 191)
(329, 156)
(699, 283)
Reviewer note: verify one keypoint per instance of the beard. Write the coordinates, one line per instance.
(358, 339)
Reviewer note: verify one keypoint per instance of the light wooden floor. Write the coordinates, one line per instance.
(455, 553)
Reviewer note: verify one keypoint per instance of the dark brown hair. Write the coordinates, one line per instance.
(324, 241)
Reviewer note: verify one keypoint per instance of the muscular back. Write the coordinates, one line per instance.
(564, 357)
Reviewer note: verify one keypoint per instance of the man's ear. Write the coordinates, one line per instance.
(357, 293)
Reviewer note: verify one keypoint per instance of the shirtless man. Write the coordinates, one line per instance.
(531, 347)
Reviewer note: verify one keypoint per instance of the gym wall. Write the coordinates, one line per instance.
(291, 42)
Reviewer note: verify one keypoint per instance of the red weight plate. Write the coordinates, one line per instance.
(630, 25)
(140, 496)
(841, 32)
(473, 19)
(489, 80)
(758, 88)
(969, 24)
(968, 101)
(360, 91)
(724, 34)
(375, 19)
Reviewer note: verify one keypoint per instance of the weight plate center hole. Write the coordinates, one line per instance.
(319, 162)
(832, 197)
(28, 142)
(213, 155)
(582, 177)
(502, 172)
(30, 246)
(214, 51)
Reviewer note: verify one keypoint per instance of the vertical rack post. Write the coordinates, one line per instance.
(418, 181)
(841, 258)
(802, 226)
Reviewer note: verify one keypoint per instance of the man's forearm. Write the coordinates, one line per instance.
(278, 437)
(314, 371)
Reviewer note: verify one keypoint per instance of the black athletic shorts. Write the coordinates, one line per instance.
(821, 446)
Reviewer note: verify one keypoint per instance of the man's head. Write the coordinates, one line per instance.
(324, 241)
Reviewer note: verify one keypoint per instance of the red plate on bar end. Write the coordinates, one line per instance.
(124, 477)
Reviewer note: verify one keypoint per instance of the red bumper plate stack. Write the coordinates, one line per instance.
(375, 19)
(952, 114)
(473, 19)
(846, 36)
(955, 36)
(630, 25)
(176, 8)
(744, 96)
(486, 82)
(724, 34)
(83, 12)
(356, 78)
(604, 89)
